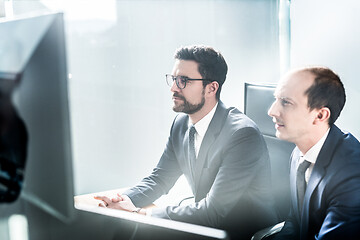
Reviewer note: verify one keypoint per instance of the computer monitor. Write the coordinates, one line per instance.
(33, 73)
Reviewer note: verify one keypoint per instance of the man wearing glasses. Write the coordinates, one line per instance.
(219, 150)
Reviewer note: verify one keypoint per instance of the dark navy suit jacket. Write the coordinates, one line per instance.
(331, 208)
(231, 182)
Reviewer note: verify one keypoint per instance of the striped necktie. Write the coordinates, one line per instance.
(192, 154)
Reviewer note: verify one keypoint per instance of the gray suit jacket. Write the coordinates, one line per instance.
(231, 183)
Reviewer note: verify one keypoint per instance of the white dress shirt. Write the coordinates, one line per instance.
(201, 128)
(312, 155)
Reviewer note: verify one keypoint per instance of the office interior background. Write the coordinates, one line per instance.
(118, 53)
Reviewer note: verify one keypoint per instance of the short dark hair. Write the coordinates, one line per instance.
(326, 91)
(212, 64)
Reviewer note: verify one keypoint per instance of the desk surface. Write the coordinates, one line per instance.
(86, 202)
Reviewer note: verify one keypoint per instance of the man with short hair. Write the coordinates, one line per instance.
(325, 164)
(219, 150)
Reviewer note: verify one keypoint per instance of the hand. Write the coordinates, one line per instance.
(121, 202)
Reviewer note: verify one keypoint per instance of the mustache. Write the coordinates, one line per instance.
(178, 96)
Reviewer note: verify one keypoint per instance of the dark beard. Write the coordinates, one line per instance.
(187, 107)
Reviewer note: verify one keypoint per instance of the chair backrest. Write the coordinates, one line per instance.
(258, 99)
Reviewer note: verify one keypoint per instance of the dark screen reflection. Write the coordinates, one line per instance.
(13, 145)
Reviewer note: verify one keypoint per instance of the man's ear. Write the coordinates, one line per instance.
(323, 115)
(212, 88)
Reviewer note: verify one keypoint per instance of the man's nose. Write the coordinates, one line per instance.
(174, 87)
(273, 112)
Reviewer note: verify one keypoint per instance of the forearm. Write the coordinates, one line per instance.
(198, 213)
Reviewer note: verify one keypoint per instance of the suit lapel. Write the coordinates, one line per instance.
(209, 139)
(322, 161)
(294, 159)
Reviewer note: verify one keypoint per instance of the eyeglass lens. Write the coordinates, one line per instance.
(180, 81)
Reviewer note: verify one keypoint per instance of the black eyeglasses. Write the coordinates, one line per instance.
(181, 80)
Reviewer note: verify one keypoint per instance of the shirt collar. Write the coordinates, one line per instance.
(202, 125)
(314, 151)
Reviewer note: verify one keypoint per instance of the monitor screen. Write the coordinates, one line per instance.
(34, 77)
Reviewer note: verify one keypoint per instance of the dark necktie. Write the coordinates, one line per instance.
(192, 154)
(300, 182)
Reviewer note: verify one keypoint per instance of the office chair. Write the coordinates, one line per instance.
(258, 99)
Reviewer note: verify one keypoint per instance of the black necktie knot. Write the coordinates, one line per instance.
(303, 167)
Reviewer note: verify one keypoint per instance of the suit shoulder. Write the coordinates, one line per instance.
(180, 122)
(238, 120)
(349, 148)
(181, 118)
(345, 161)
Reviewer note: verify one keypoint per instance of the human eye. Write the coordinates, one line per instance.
(183, 79)
(285, 102)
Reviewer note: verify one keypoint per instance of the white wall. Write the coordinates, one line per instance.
(327, 32)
